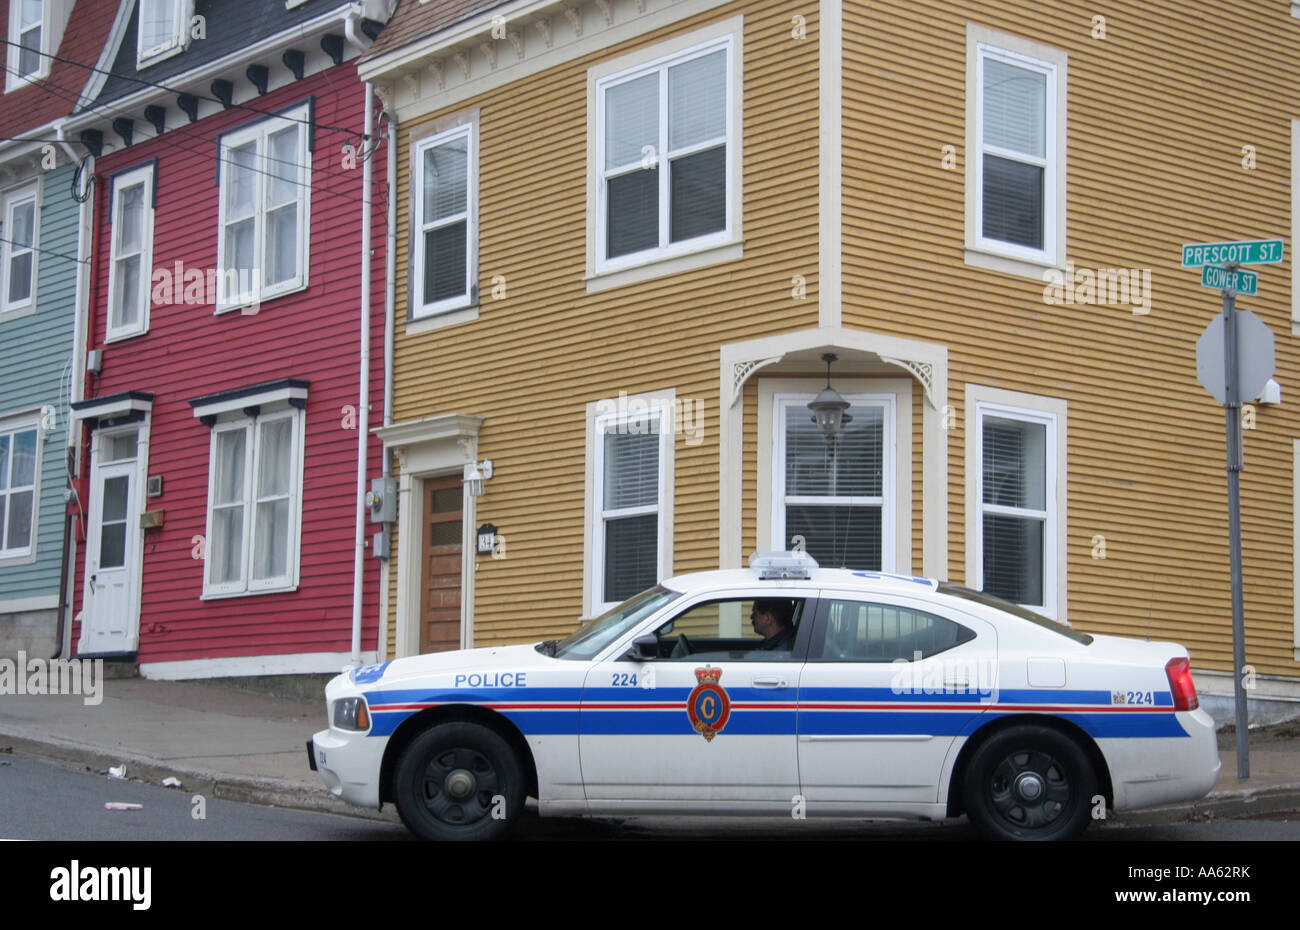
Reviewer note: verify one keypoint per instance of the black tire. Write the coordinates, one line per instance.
(1029, 783)
(459, 781)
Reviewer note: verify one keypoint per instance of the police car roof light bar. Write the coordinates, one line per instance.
(782, 565)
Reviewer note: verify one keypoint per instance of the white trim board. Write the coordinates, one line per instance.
(303, 663)
(25, 604)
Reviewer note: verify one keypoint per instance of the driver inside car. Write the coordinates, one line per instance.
(773, 620)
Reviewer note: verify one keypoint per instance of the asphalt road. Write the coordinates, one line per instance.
(42, 801)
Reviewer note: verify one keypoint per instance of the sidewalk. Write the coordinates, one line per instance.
(219, 742)
(230, 744)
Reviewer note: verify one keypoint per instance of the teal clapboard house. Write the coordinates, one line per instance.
(44, 234)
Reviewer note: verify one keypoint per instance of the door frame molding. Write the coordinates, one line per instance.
(141, 422)
(433, 447)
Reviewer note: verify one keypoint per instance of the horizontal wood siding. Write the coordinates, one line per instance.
(189, 352)
(1159, 111)
(35, 373)
(532, 362)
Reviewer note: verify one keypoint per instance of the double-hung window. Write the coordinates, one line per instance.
(445, 221)
(19, 442)
(1016, 158)
(21, 220)
(254, 503)
(665, 140)
(129, 270)
(632, 448)
(1017, 506)
(163, 29)
(835, 500)
(265, 209)
(28, 38)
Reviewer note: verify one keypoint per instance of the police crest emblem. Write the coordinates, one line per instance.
(708, 705)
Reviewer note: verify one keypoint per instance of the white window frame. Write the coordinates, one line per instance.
(668, 257)
(14, 80)
(142, 175)
(981, 45)
(607, 416)
(784, 405)
(1295, 231)
(11, 426)
(465, 125)
(246, 584)
(1052, 412)
(1295, 545)
(11, 198)
(260, 132)
(177, 43)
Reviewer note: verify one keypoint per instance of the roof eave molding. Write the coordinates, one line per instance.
(393, 63)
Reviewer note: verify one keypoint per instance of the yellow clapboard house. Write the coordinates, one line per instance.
(631, 233)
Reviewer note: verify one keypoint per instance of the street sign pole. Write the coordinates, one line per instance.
(1246, 335)
(1232, 410)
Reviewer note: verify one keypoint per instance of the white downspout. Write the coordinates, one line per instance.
(390, 303)
(77, 388)
(390, 271)
(363, 422)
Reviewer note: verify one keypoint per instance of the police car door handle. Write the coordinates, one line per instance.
(770, 683)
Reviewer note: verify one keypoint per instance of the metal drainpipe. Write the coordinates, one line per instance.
(363, 420)
(76, 390)
(390, 271)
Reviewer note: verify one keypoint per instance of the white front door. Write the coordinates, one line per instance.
(111, 618)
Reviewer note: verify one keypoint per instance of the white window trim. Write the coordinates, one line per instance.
(467, 125)
(726, 245)
(260, 131)
(21, 424)
(900, 390)
(246, 585)
(785, 403)
(994, 254)
(126, 179)
(15, 195)
(1295, 230)
(1053, 412)
(1295, 539)
(14, 81)
(602, 416)
(180, 41)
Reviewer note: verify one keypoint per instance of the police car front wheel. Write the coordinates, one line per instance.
(459, 781)
(1030, 783)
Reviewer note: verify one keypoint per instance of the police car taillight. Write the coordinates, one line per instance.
(782, 564)
(1179, 672)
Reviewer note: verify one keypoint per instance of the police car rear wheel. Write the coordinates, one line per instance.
(1030, 783)
(459, 781)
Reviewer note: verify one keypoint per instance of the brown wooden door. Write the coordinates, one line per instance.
(440, 577)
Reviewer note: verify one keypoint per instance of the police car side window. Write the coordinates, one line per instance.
(720, 630)
(860, 631)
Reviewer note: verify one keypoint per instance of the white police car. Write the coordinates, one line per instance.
(893, 697)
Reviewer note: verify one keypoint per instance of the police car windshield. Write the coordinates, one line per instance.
(1024, 613)
(596, 634)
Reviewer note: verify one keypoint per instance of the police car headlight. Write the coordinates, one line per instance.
(351, 714)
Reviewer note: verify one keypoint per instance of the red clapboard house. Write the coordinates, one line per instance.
(224, 402)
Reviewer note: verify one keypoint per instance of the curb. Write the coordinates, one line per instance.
(1219, 805)
(270, 792)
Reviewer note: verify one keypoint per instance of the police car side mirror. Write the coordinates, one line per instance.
(643, 648)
